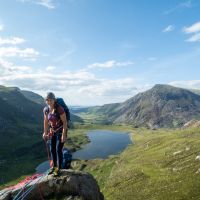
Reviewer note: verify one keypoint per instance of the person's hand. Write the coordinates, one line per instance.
(63, 138)
(45, 136)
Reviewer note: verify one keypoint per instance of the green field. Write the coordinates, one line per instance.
(161, 164)
(93, 118)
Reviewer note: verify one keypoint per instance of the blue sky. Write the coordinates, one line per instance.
(93, 52)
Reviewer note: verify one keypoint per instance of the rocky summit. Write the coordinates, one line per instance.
(70, 185)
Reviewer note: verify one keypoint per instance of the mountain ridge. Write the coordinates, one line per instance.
(161, 106)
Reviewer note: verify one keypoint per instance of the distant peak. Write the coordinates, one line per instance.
(1, 86)
(12, 88)
(162, 86)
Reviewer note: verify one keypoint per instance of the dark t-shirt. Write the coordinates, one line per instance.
(53, 118)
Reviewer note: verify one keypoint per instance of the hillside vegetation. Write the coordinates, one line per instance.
(160, 165)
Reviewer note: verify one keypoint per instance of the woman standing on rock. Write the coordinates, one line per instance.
(55, 128)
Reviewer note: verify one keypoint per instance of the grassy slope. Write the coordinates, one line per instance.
(160, 165)
(93, 118)
(19, 153)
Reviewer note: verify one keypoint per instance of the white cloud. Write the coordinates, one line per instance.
(168, 28)
(183, 5)
(194, 38)
(4, 64)
(44, 79)
(81, 87)
(107, 91)
(46, 3)
(50, 68)
(192, 29)
(113, 89)
(17, 52)
(8, 68)
(21, 68)
(190, 84)
(110, 64)
(1, 27)
(195, 30)
(11, 41)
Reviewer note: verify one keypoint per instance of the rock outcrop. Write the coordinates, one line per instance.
(192, 124)
(70, 185)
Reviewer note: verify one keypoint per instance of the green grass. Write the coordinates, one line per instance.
(159, 165)
(93, 118)
(76, 138)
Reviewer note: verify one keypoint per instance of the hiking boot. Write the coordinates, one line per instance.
(56, 171)
(51, 170)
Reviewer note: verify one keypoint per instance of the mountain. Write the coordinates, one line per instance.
(18, 116)
(16, 108)
(161, 106)
(33, 97)
(195, 91)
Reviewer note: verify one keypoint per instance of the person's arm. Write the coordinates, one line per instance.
(64, 132)
(45, 134)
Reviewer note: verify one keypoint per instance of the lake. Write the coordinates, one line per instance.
(103, 143)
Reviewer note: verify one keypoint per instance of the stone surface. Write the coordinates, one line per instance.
(70, 185)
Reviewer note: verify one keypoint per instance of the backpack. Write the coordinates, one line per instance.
(67, 158)
(61, 103)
